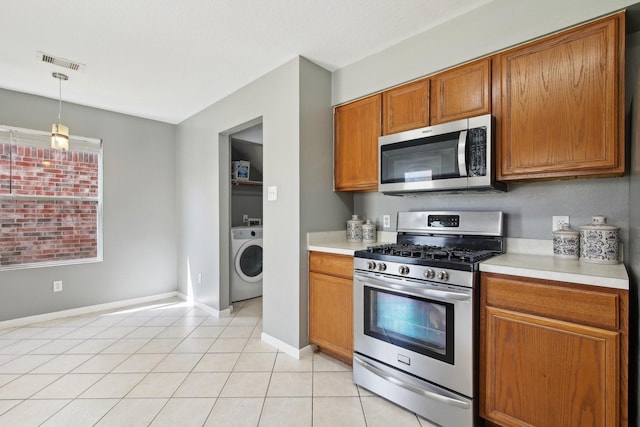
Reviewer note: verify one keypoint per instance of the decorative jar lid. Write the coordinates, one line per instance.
(599, 222)
(565, 230)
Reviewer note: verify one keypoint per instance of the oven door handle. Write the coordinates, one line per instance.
(410, 387)
(434, 293)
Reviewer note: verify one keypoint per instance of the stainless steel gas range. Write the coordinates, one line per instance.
(416, 313)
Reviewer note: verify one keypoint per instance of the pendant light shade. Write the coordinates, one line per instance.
(59, 137)
(60, 132)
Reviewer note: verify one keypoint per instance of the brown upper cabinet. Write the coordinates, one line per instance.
(355, 156)
(560, 111)
(461, 92)
(406, 107)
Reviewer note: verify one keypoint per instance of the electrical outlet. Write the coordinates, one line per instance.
(558, 221)
(245, 218)
(386, 221)
(57, 286)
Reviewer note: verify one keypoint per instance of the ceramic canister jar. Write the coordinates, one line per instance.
(566, 242)
(368, 232)
(354, 229)
(599, 241)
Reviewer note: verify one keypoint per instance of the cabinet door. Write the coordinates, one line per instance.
(357, 128)
(461, 92)
(406, 107)
(543, 372)
(331, 314)
(561, 105)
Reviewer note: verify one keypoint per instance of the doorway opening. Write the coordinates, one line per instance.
(246, 216)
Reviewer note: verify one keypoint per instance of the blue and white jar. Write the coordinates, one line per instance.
(368, 232)
(599, 242)
(566, 243)
(354, 229)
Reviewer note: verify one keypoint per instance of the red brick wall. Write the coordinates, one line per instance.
(34, 231)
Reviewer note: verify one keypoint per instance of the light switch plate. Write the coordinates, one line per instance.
(272, 192)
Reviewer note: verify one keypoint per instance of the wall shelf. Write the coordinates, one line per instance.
(242, 182)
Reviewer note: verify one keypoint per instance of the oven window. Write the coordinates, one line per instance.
(417, 324)
(423, 159)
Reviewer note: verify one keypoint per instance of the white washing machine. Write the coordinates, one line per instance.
(246, 263)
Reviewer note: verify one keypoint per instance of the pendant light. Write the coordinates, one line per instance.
(59, 132)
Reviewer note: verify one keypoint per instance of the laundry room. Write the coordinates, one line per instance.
(246, 214)
(246, 177)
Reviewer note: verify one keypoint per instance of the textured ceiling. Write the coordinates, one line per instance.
(168, 59)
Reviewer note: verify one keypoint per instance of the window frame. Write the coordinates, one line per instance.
(83, 142)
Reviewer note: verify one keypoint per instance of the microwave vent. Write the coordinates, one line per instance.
(61, 62)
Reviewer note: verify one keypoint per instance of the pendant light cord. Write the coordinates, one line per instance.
(60, 101)
(60, 78)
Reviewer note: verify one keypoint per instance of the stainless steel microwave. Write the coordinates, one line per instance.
(454, 156)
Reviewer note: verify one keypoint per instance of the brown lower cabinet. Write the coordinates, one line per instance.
(331, 304)
(552, 353)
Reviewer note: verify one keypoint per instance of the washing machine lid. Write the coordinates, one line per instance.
(248, 261)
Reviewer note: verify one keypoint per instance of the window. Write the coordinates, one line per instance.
(50, 200)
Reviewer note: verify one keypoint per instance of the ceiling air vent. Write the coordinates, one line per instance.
(61, 62)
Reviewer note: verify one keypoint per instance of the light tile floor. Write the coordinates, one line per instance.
(171, 364)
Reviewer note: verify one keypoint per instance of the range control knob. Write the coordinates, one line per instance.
(443, 275)
(382, 266)
(371, 265)
(429, 273)
(403, 269)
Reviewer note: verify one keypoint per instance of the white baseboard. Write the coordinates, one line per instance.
(212, 311)
(298, 353)
(84, 310)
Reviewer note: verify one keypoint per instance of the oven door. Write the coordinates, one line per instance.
(425, 329)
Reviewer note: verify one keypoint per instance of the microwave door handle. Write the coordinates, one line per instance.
(462, 153)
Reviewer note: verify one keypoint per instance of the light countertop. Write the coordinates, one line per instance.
(534, 258)
(524, 257)
(335, 242)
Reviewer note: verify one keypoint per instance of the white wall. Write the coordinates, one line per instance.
(279, 99)
(139, 212)
(487, 29)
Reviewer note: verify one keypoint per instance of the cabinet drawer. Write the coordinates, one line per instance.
(331, 264)
(558, 300)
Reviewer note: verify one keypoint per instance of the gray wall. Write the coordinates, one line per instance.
(633, 259)
(318, 211)
(292, 102)
(139, 212)
(528, 206)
